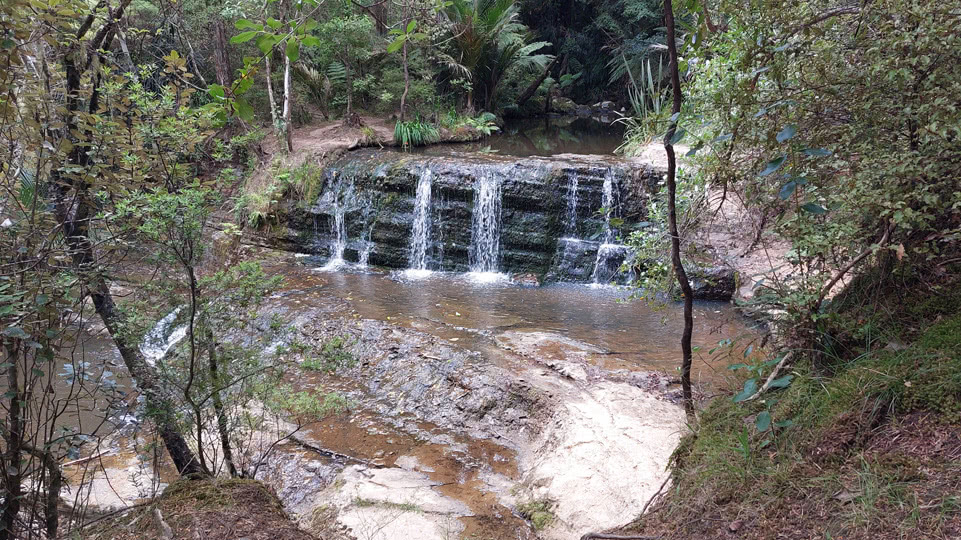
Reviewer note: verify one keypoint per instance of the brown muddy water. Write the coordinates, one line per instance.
(624, 333)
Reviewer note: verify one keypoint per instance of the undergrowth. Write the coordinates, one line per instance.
(869, 443)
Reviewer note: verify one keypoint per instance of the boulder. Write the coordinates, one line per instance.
(563, 105)
(714, 283)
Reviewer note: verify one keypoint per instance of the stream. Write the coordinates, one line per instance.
(502, 385)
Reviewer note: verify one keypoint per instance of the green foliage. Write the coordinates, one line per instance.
(333, 355)
(843, 128)
(538, 512)
(489, 41)
(307, 405)
(415, 133)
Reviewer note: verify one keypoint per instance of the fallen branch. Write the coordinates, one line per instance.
(618, 536)
(767, 384)
(331, 454)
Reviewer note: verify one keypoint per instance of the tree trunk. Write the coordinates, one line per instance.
(222, 426)
(12, 475)
(672, 216)
(275, 116)
(288, 127)
(73, 212)
(403, 97)
(350, 87)
(221, 52)
(532, 89)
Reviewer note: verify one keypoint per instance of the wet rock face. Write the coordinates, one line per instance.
(376, 193)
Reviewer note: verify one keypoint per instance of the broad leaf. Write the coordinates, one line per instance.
(817, 152)
(293, 50)
(244, 24)
(781, 382)
(15, 332)
(773, 165)
(397, 44)
(814, 208)
(763, 422)
(750, 387)
(243, 109)
(244, 37)
(787, 190)
(411, 25)
(787, 133)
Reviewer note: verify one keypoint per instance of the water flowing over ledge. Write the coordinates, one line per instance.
(492, 216)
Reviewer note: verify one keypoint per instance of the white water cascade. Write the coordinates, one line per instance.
(421, 228)
(603, 271)
(486, 228)
(338, 229)
(571, 226)
(158, 342)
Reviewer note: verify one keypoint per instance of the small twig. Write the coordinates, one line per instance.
(618, 536)
(658, 492)
(772, 376)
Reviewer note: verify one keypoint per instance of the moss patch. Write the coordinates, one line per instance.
(210, 509)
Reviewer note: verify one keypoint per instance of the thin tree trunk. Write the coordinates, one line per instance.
(221, 52)
(12, 475)
(76, 230)
(403, 97)
(275, 116)
(350, 89)
(672, 216)
(222, 426)
(532, 88)
(287, 112)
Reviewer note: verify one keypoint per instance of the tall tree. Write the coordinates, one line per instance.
(680, 273)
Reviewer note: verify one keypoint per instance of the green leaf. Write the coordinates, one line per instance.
(781, 382)
(243, 109)
(411, 25)
(773, 165)
(293, 50)
(734, 367)
(784, 424)
(750, 387)
(244, 37)
(310, 41)
(266, 42)
(244, 24)
(814, 208)
(763, 422)
(678, 135)
(396, 44)
(722, 138)
(816, 152)
(787, 133)
(15, 332)
(693, 151)
(273, 23)
(787, 190)
(216, 91)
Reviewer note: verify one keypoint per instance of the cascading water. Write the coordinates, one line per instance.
(608, 252)
(158, 342)
(608, 202)
(421, 228)
(571, 226)
(339, 195)
(486, 227)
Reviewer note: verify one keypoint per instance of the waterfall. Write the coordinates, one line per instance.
(608, 202)
(160, 339)
(339, 198)
(486, 225)
(609, 255)
(571, 227)
(420, 230)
